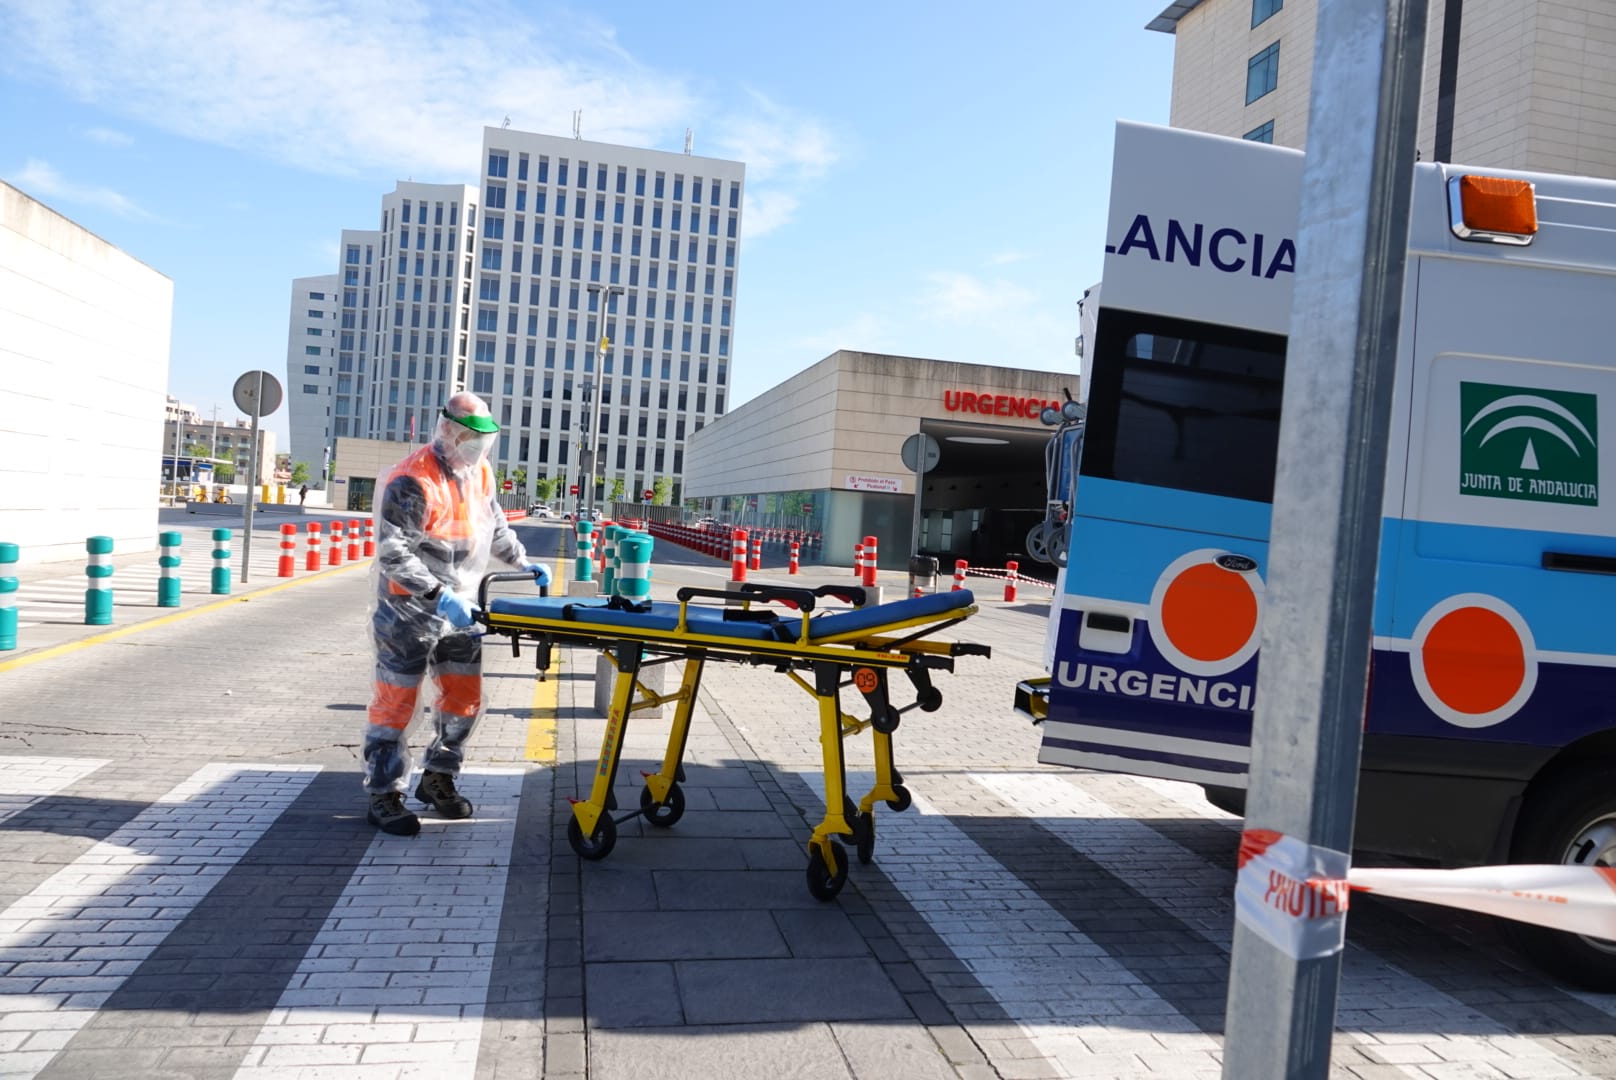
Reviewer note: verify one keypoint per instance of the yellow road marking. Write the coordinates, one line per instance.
(541, 730)
(124, 631)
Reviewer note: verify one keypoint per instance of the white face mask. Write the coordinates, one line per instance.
(471, 449)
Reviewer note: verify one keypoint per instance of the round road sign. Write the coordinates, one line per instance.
(257, 392)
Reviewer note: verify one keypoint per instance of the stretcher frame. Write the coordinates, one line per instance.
(821, 664)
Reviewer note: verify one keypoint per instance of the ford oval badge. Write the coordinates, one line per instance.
(1239, 564)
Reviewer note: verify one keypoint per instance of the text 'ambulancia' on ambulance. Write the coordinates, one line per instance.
(1490, 734)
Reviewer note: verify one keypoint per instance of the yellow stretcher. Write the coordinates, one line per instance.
(849, 646)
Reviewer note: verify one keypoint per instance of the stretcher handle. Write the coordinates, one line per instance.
(505, 575)
(853, 594)
(796, 596)
(801, 597)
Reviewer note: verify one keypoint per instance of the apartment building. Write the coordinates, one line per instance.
(605, 302)
(585, 290)
(1518, 84)
(311, 345)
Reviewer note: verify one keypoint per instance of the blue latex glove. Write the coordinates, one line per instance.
(540, 572)
(455, 608)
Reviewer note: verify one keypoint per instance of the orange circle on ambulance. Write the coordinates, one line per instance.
(1206, 611)
(1473, 660)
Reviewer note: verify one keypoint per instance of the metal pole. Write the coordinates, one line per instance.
(174, 476)
(252, 480)
(1352, 242)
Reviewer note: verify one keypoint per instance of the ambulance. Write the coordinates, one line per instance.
(1490, 734)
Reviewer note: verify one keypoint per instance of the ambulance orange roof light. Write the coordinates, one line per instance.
(1492, 209)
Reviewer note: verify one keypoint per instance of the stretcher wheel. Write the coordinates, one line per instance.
(823, 884)
(886, 723)
(671, 810)
(904, 799)
(864, 837)
(597, 846)
(930, 699)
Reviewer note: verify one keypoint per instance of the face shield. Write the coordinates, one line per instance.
(466, 440)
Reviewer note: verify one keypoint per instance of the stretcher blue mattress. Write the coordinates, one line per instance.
(709, 620)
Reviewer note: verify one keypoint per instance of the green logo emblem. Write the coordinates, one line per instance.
(1524, 443)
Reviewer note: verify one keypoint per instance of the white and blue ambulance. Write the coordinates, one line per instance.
(1490, 734)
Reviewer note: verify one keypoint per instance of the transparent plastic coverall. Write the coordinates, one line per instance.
(438, 523)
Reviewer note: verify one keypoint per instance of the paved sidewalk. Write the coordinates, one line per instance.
(188, 886)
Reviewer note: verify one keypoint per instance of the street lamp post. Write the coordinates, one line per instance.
(592, 396)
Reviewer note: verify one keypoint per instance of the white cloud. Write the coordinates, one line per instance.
(109, 137)
(39, 179)
(398, 86)
(1005, 258)
(958, 297)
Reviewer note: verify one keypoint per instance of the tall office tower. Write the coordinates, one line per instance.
(581, 241)
(311, 349)
(357, 314)
(421, 312)
(1515, 84)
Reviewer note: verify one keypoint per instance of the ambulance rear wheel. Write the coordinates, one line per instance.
(671, 810)
(823, 883)
(601, 841)
(1569, 819)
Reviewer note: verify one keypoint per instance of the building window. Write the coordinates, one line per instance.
(310, 388)
(498, 164)
(1263, 133)
(1262, 73)
(311, 369)
(311, 350)
(1261, 10)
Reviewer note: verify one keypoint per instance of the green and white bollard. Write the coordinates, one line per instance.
(98, 597)
(9, 554)
(585, 570)
(221, 562)
(634, 566)
(168, 569)
(608, 568)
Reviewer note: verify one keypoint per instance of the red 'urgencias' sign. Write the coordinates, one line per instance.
(995, 404)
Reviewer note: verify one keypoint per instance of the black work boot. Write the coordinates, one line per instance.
(387, 813)
(437, 790)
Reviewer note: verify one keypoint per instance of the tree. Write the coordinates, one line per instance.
(544, 487)
(618, 489)
(224, 473)
(662, 487)
(519, 480)
(300, 473)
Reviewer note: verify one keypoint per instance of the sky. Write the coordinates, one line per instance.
(924, 177)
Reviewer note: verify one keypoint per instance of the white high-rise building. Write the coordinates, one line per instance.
(311, 347)
(577, 241)
(422, 315)
(583, 240)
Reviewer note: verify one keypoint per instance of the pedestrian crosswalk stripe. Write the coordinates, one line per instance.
(1201, 896)
(416, 929)
(121, 898)
(29, 779)
(1047, 976)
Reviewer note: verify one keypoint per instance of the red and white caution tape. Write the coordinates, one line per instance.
(1021, 578)
(1580, 899)
(1292, 895)
(1296, 896)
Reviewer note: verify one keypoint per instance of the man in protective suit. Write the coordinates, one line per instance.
(438, 522)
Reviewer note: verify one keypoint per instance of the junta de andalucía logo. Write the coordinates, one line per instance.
(1521, 442)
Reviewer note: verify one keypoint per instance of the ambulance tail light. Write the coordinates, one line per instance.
(1492, 209)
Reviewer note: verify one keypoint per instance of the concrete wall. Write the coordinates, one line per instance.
(363, 458)
(847, 416)
(84, 344)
